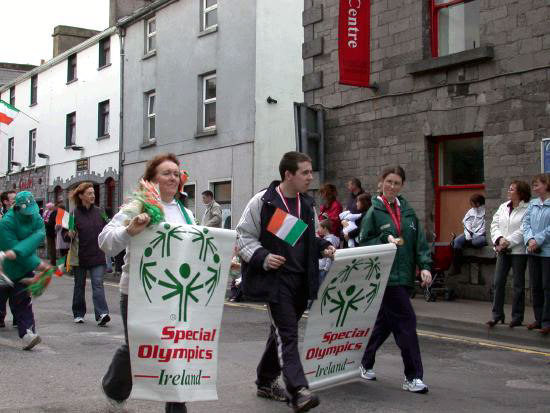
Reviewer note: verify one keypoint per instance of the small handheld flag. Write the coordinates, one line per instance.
(286, 227)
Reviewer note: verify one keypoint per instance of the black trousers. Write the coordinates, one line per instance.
(21, 307)
(396, 316)
(117, 382)
(281, 351)
(518, 263)
(539, 274)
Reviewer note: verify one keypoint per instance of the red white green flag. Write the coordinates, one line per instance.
(286, 227)
(7, 112)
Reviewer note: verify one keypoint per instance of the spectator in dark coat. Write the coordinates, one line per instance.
(355, 189)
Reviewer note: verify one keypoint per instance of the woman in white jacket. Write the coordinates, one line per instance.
(507, 238)
(164, 170)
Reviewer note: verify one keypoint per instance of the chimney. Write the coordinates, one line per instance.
(67, 37)
(121, 8)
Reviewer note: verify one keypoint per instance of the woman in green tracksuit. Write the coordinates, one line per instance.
(392, 220)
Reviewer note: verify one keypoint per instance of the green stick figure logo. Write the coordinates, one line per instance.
(188, 285)
(341, 295)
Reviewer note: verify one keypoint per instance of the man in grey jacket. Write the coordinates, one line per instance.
(213, 215)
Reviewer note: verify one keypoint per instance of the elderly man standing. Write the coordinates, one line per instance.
(213, 215)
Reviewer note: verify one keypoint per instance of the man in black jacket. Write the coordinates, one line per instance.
(281, 267)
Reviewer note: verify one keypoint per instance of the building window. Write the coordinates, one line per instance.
(209, 14)
(461, 161)
(70, 139)
(455, 26)
(150, 35)
(12, 95)
(11, 152)
(209, 102)
(71, 68)
(150, 118)
(190, 203)
(32, 147)
(105, 52)
(103, 119)
(34, 89)
(222, 195)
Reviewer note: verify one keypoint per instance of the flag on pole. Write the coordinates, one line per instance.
(7, 112)
(286, 227)
(65, 219)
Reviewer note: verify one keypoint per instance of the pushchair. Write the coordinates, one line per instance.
(442, 259)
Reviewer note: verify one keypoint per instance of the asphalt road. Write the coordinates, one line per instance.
(62, 374)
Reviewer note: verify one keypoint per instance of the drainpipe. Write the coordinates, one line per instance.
(121, 33)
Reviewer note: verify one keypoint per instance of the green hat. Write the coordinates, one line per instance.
(25, 203)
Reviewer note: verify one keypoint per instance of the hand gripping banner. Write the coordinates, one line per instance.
(342, 318)
(176, 295)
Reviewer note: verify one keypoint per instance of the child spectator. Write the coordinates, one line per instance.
(325, 233)
(352, 222)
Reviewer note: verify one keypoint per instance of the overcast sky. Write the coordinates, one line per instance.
(28, 25)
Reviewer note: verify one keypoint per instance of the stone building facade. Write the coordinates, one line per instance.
(459, 118)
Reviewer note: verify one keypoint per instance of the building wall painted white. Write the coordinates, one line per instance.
(279, 70)
(56, 99)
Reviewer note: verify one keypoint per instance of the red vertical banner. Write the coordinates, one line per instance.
(354, 42)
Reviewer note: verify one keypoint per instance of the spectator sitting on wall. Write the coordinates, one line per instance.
(355, 189)
(474, 230)
(330, 208)
(213, 215)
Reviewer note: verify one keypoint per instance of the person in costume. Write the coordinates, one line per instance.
(23, 231)
(392, 220)
(162, 170)
(284, 274)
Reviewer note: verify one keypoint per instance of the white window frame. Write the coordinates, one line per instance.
(151, 115)
(205, 11)
(208, 101)
(32, 147)
(11, 153)
(149, 35)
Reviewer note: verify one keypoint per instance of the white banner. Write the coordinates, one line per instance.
(177, 289)
(341, 319)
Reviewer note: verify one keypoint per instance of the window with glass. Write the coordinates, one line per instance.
(150, 35)
(70, 139)
(455, 26)
(105, 52)
(71, 68)
(32, 147)
(189, 189)
(34, 89)
(222, 195)
(11, 152)
(12, 95)
(103, 119)
(209, 102)
(150, 118)
(209, 14)
(461, 161)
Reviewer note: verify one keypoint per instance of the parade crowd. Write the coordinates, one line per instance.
(266, 268)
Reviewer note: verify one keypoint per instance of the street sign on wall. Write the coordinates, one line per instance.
(545, 155)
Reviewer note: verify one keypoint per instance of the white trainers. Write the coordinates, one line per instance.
(367, 374)
(103, 319)
(415, 386)
(115, 406)
(30, 340)
(79, 320)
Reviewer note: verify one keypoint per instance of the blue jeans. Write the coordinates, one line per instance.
(98, 293)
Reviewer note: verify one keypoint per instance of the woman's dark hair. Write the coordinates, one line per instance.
(393, 170)
(152, 164)
(356, 183)
(328, 192)
(79, 190)
(364, 200)
(543, 179)
(290, 162)
(524, 190)
(477, 199)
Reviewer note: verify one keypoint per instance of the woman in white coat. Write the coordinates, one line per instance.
(507, 238)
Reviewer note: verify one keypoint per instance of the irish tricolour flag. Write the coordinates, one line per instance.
(65, 219)
(7, 112)
(286, 227)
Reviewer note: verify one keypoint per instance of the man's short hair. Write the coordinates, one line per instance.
(208, 193)
(356, 183)
(5, 196)
(290, 161)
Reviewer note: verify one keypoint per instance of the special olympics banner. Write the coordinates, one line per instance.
(341, 319)
(354, 42)
(177, 288)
